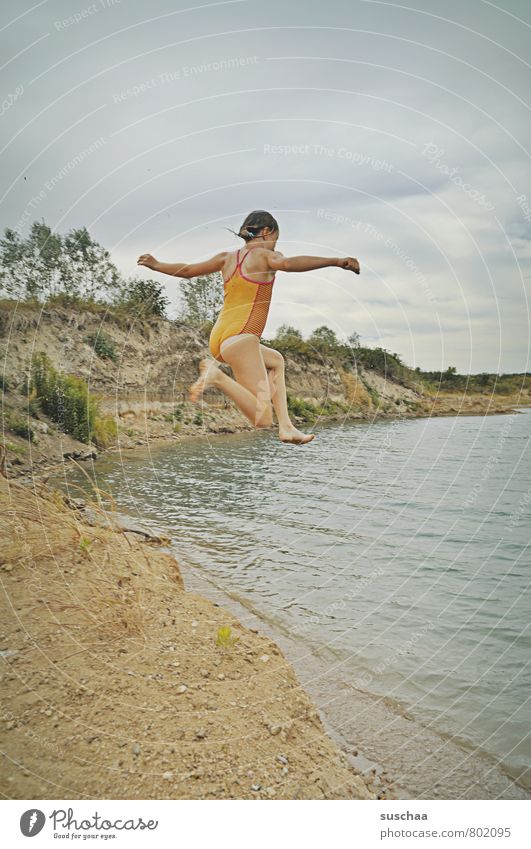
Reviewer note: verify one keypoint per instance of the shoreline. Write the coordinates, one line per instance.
(141, 382)
(377, 766)
(361, 747)
(53, 458)
(470, 769)
(476, 762)
(137, 687)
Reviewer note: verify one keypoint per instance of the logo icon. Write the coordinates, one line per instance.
(31, 822)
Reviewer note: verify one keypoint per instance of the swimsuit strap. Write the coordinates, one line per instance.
(240, 261)
(237, 267)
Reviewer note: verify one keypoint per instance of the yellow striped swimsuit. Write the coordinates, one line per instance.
(245, 307)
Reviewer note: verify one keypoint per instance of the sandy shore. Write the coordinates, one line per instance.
(119, 684)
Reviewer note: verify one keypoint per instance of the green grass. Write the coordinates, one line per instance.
(309, 412)
(20, 427)
(16, 449)
(225, 639)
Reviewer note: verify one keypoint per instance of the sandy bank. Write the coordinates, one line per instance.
(115, 686)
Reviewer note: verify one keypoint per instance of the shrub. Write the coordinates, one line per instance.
(330, 408)
(178, 412)
(105, 431)
(25, 386)
(33, 404)
(198, 419)
(103, 346)
(67, 401)
(302, 409)
(21, 427)
(373, 394)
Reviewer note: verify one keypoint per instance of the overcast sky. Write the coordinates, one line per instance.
(396, 134)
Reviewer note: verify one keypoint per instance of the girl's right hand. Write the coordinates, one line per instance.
(350, 263)
(147, 260)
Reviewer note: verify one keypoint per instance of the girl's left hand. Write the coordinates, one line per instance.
(350, 263)
(147, 260)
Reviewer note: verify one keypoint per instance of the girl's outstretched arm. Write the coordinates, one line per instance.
(279, 262)
(184, 269)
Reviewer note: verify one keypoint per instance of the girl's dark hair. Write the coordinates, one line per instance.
(255, 222)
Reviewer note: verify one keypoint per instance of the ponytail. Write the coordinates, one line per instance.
(254, 223)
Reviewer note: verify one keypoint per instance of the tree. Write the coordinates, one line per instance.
(323, 339)
(46, 264)
(287, 333)
(88, 271)
(47, 259)
(484, 379)
(354, 340)
(32, 265)
(288, 339)
(14, 265)
(143, 297)
(203, 299)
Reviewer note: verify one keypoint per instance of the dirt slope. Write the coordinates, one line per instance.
(145, 388)
(115, 687)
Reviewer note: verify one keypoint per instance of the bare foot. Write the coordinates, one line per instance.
(294, 436)
(208, 376)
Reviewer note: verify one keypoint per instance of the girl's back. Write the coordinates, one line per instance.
(252, 262)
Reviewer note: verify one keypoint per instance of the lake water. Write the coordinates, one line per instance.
(389, 558)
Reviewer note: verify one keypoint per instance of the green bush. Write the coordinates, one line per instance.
(33, 405)
(309, 412)
(302, 409)
(103, 346)
(373, 394)
(67, 401)
(198, 419)
(176, 416)
(25, 386)
(21, 427)
(330, 408)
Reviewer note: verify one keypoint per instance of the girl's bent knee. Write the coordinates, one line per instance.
(277, 361)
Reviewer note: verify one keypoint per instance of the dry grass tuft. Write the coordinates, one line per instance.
(94, 581)
(355, 391)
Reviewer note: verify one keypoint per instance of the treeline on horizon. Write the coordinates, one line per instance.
(74, 271)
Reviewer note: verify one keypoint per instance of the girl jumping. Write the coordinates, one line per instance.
(258, 371)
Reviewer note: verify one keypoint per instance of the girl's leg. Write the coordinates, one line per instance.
(274, 363)
(250, 391)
